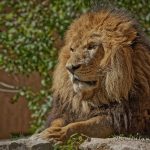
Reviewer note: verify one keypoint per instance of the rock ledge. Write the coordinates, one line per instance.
(25, 144)
(117, 143)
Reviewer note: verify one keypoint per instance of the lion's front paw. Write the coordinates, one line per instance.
(55, 134)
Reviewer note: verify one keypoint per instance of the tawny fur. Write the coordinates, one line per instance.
(122, 66)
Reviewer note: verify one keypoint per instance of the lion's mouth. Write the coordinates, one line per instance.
(90, 83)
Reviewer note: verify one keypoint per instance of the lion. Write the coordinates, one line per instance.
(101, 84)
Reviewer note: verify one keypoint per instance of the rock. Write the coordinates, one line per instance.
(25, 144)
(117, 143)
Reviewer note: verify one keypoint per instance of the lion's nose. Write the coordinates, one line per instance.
(73, 68)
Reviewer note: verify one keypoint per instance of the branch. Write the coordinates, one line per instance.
(8, 85)
(9, 90)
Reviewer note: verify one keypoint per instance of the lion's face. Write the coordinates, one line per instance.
(84, 60)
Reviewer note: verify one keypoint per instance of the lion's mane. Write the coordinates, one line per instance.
(125, 73)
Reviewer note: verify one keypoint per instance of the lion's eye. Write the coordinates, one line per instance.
(71, 49)
(92, 47)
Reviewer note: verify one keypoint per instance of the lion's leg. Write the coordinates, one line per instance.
(100, 126)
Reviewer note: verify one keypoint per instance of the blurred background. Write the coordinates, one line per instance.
(31, 35)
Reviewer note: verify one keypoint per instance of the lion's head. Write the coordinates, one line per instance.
(97, 60)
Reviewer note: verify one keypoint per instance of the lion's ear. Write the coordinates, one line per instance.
(123, 36)
(119, 76)
(129, 32)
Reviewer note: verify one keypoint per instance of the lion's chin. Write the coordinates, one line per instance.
(80, 86)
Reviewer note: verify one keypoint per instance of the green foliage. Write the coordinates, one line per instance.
(27, 41)
(72, 144)
(27, 45)
(140, 10)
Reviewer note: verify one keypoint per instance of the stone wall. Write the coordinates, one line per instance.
(25, 144)
(118, 143)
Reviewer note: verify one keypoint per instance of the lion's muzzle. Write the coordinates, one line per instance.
(72, 68)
